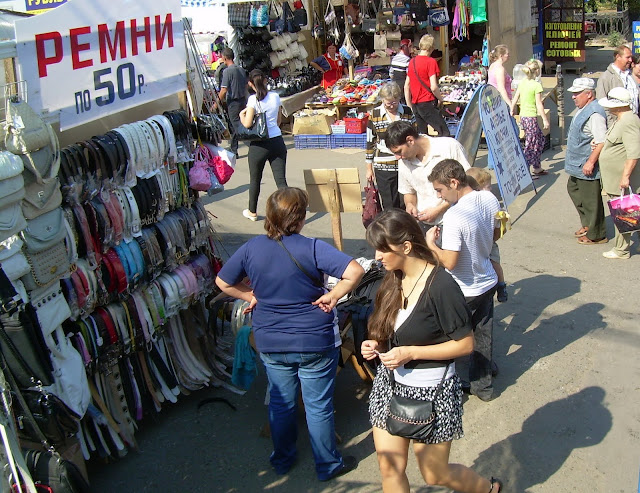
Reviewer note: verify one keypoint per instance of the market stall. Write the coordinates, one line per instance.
(109, 259)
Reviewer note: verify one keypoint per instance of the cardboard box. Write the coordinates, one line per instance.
(544, 132)
(380, 60)
(314, 124)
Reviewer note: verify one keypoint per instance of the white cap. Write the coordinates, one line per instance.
(618, 97)
(581, 84)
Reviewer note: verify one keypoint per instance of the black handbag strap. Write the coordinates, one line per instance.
(413, 64)
(316, 282)
(25, 408)
(10, 300)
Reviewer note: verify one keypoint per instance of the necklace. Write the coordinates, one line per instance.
(405, 303)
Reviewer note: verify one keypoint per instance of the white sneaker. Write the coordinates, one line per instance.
(246, 213)
(614, 255)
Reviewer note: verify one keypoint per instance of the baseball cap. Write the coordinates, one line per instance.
(405, 42)
(581, 84)
(617, 97)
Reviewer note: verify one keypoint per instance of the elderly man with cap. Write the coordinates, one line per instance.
(589, 125)
(399, 64)
(618, 74)
(619, 157)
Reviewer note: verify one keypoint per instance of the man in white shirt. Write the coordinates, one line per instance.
(618, 74)
(469, 229)
(417, 154)
(399, 64)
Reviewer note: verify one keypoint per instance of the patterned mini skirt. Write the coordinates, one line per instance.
(448, 405)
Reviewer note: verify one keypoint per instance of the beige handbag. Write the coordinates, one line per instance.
(25, 130)
(380, 41)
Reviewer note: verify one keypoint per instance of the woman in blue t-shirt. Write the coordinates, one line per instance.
(272, 149)
(295, 326)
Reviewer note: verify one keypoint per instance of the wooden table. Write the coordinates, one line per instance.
(549, 89)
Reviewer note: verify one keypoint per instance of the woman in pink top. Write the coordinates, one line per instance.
(498, 76)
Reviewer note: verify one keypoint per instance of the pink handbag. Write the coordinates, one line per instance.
(222, 169)
(625, 211)
(199, 178)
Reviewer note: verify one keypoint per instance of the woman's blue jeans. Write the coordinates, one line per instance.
(316, 374)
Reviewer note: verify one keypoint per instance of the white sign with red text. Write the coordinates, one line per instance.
(87, 60)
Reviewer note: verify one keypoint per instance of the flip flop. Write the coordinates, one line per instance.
(540, 173)
(583, 240)
(581, 232)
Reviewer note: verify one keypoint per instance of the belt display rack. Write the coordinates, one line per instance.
(129, 260)
(146, 264)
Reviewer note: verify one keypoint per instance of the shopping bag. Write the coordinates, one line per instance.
(372, 206)
(625, 211)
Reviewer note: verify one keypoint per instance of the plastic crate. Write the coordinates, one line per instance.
(338, 129)
(358, 141)
(356, 125)
(312, 141)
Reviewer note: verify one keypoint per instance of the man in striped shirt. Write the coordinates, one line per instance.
(399, 64)
(469, 228)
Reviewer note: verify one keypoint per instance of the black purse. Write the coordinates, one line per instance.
(21, 340)
(54, 418)
(411, 418)
(258, 130)
(60, 475)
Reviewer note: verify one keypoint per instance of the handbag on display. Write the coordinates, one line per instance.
(412, 418)
(439, 16)
(21, 340)
(419, 10)
(300, 17)
(50, 470)
(199, 177)
(13, 261)
(380, 41)
(259, 15)
(12, 192)
(25, 130)
(290, 25)
(625, 211)
(239, 13)
(372, 206)
(44, 231)
(47, 266)
(384, 16)
(258, 130)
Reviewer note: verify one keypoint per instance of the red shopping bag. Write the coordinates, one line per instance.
(372, 206)
(625, 211)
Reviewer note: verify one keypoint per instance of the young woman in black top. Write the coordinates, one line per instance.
(420, 324)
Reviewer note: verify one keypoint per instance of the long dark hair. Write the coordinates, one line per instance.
(259, 81)
(393, 228)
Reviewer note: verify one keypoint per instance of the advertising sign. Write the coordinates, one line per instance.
(635, 34)
(86, 63)
(470, 128)
(563, 30)
(41, 6)
(505, 151)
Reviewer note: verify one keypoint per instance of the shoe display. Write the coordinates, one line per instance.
(501, 290)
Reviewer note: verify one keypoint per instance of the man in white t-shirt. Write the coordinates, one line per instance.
(417, 154)
(469, 229)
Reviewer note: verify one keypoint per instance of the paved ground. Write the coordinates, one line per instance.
(567, 417)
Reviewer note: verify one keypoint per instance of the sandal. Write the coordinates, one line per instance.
(495, 481)
(540, 173)
(583, 240)
(581, 232)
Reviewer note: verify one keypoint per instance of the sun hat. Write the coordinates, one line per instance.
(618, 97)
(581, 84)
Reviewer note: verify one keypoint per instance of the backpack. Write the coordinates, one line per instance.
(360, 305)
